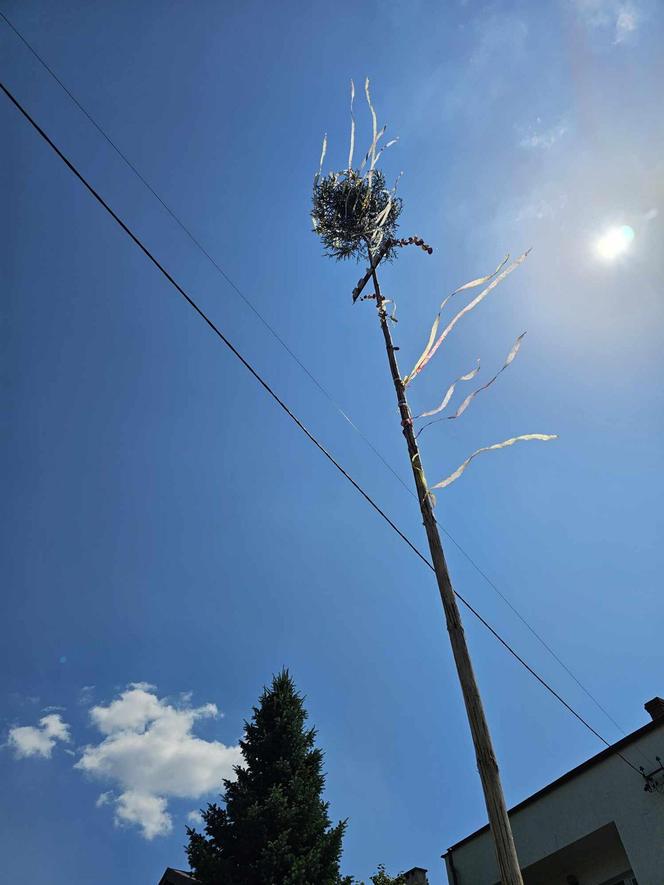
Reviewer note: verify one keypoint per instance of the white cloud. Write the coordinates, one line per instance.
(131, 711)
(149, 752)
(626, 23)
(144, 810)
(195, 818)
(85, 695)
(538, 207)
(23, 700)
(481, 80)
(31, 740)
(543, 138)
(620, 18)
(496, 35)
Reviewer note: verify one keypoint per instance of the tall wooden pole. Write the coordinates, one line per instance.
(508, 863)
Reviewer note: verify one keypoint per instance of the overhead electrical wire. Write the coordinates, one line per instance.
(206, 253)
(304, 368)
(266, 386)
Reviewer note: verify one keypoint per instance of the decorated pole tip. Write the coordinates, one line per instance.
(355, 214)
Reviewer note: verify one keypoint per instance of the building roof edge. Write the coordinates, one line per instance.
(569, 775)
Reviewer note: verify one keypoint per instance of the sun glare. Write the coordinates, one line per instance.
(614, 242)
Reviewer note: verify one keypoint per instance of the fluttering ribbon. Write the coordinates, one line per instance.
(352, 126)
(450, 390)
(544, 437)
(433, 344)
(322, 156)
(471, 396)
(374, 123)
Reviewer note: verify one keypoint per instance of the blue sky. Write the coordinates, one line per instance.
(173, 539)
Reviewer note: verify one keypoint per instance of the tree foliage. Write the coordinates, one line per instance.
(350, 209)
(274, 826)
(383, 878)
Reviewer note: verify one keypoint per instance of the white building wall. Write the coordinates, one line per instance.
(606, 791)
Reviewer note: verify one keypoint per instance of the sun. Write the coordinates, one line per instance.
(614, 242)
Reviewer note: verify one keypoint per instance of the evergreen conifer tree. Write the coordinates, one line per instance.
(384, 878)
(274, 828)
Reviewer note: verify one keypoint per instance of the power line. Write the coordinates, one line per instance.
(317, 383)
(532, 630)
(206, 253)
(288, 411)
